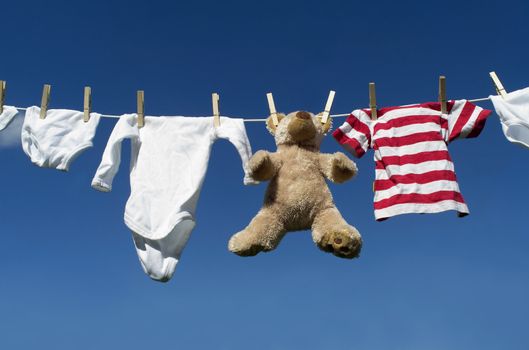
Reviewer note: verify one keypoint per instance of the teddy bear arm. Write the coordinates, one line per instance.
(263, 165)
(337, 167)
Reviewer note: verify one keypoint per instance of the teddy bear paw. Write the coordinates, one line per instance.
(261, 166)
(342, 243)
(343, 168)
(242, 246)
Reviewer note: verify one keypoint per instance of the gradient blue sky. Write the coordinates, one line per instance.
(70, 278)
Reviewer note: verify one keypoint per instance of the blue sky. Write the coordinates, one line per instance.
(70, 278)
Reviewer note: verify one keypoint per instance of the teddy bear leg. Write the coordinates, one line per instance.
(264, 233)
(333, 234)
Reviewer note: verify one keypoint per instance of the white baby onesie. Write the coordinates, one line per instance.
(514, 115)
(7, 116)
(54, 142)
(169, 158)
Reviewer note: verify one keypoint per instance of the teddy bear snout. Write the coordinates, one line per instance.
(301, 127)
(302, 115)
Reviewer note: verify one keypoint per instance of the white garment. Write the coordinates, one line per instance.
(7, 116)
(169, 158)
(54, 142)
(514, 115)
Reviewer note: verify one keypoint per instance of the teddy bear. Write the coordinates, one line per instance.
(297, 197)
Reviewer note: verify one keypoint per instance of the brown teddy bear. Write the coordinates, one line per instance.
(297, 197)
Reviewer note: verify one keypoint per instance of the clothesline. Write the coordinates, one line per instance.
(422, 179)
(264, 119)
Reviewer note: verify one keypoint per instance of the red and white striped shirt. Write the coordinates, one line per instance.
(414, 172)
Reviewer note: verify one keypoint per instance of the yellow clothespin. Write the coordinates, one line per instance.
(442, 94)
(2, 95)
(328, 105)
(87, 103)
(45, 101)
(272, 107)
(216, 114)
(141, 109)
(499, 86)
(373, 101)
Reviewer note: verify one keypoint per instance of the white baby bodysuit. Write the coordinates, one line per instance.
(514, 115)
(54, 142)
(169, 158)
(7, 116)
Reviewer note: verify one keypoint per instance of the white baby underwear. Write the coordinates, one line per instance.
(514, 115)
(169, 159)
(54, 142)
(7, 116)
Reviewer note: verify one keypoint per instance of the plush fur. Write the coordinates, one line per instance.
(297, 197)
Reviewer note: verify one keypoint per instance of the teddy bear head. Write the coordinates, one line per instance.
(299, 128)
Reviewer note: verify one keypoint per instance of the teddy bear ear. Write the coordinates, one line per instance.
(270, 123)
(327, 126)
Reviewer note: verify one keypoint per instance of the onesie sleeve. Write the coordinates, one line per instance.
(465, 120)
(234, 131)
(126, 127)
(355, 134)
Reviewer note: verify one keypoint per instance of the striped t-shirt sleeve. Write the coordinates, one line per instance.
(465, 120)
(355, 135)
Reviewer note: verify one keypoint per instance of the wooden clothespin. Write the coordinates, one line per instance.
(328, 105)
(216, 114)
(87, 103)
(373, 101)
(45, 101)
(141, 109)
(442, 94)
(2, 95)
(272, 107)
(499, 86)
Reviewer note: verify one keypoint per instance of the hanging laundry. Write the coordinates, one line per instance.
(514, 115)
(55, 142)
(414, 171)
(7, 116)
(169, 160)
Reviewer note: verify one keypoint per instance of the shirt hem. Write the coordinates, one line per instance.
(460, 208)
